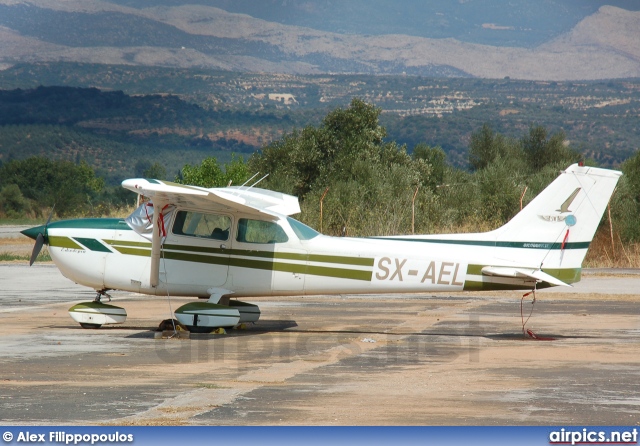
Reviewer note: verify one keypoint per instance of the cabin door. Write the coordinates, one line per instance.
(195, 253)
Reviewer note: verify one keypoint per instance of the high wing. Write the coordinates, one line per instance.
(248, 200)
(245, 199)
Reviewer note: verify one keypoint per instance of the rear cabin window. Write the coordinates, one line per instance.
(260, 231)
(197, 224)
(303, 231)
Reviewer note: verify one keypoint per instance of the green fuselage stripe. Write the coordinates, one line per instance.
(223, 258)
(63, 242)
(126, 243)
(324, 271)
(492, 244)
(134, 251)
(92, 244)
(491, 286)
(196, 258)
(343, 260)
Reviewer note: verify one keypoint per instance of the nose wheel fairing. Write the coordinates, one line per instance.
(95, 314)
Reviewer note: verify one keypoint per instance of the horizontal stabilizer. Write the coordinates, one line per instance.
(522, 273)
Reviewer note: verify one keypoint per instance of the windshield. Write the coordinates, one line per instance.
(303, 231)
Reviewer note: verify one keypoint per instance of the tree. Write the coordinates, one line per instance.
(140, 168)
(485, 146)
(625, 203)
(304, 158)
(156, 170)
(371, 182)
(499, 191)
(236, 172)
(209, 173)
(12, 202)
(436, 159)
(70, 187)
(540, 151)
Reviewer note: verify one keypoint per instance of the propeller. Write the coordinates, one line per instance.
(40, 238)
(36, 248)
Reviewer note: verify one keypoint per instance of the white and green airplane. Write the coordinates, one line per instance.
(221, 244)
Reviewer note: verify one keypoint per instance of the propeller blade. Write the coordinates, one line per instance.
(39, 234)
(49, 219)
(36, 248)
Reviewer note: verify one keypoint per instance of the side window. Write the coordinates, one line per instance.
(197, 224)
(259, 231)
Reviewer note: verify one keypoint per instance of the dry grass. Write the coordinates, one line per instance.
(605, 254)
(15, 241)
(18, 250)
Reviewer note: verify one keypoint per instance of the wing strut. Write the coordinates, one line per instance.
(156, 243)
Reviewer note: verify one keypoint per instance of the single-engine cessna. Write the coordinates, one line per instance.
(239, 242)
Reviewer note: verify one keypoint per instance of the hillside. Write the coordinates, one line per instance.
(610, 29)
(114, 132)
(217, 114)
(515, 23)
(600, 46)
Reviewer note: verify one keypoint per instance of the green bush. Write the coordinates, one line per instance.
(70, 187)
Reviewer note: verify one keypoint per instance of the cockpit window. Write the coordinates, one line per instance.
(197, 224)
(260, 231)
(303, 231)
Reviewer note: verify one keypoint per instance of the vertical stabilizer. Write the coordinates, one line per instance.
(564, 217)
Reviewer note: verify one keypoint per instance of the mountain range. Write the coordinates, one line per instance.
(520, 39)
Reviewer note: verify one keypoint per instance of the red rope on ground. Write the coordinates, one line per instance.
(532, 335)
(522, 311)
(528, 332)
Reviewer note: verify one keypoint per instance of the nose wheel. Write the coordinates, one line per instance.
(90, 326)
(95, 314)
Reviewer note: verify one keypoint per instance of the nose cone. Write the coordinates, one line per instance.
(33, 232)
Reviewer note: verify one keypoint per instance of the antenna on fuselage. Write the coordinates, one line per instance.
(258, 181)
(240, 189)
(254, 175)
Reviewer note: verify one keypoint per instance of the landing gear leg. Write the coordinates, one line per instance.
(100, 294)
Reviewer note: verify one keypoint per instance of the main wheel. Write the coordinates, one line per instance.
(90, 326)
(200, 329)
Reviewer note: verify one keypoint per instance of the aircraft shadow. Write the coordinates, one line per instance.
(263, 326)
(290, 326)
